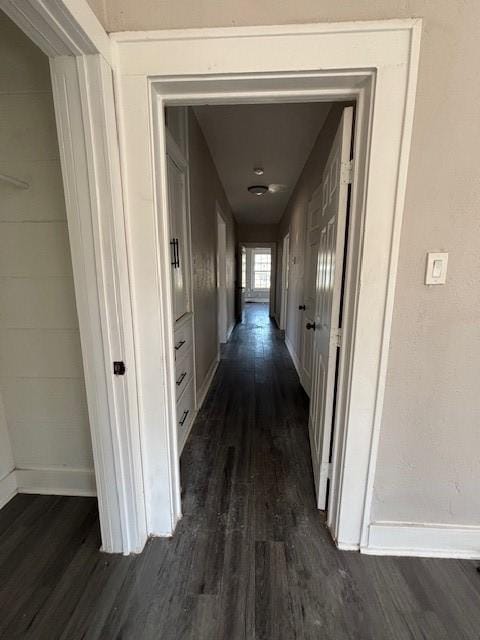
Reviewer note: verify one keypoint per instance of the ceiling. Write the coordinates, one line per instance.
(276, 137)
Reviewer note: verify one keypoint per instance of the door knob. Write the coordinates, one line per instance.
(310, 325)
(301, 307)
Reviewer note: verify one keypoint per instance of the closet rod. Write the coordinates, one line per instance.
(15, 181)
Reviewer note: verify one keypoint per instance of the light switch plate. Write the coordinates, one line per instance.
(436, 271)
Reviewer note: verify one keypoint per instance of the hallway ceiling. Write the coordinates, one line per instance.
(276, 137)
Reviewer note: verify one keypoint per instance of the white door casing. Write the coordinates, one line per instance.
(285, 276)
(331, 222)
(221, 277)
(374, 64)
(243, 267)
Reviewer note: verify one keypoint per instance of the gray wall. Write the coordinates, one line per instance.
(428, 465)
(205, 191)
(257, 232)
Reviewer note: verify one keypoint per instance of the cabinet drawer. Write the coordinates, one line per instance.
(183, 372)
(185, 415)
(183, 337)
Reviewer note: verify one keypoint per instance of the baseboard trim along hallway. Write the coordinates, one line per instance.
(423, 540)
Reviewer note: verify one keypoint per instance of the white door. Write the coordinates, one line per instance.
(308, 306)
(331, 246)
(177, 202)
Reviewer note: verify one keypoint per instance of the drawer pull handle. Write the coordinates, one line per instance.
(181, 378)
(179, 345)
(184, 417)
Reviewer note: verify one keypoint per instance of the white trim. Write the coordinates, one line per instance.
(89, 198)
(60, 28)
(230, 330)
(424, 540)
(53, 481)
(202, 392)
(401, 185)
(293, 355)
(284, 284)
(344, 546)
(8, 488)
(373, 63)
(221, 274)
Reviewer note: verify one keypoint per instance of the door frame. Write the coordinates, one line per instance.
(222, 310)
(284, 283)
(81, 64)
(374, 64)
(273, 273)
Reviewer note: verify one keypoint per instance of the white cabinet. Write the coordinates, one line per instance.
(180, 248)
(179, 229)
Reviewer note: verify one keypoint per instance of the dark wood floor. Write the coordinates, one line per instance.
(251, 558)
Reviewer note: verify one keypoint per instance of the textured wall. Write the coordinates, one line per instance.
(428, 466)
(205, 191)
(41, 374)
(257, 232)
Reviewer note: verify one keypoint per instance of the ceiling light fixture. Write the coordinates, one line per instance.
(258, 189)
(258, 171)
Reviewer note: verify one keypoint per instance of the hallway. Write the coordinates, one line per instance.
(251, 559)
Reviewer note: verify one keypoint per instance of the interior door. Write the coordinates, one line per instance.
(177, 200)
(309, 299)
(331, 245)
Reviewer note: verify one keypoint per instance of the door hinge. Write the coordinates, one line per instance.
(338, 337)
(347, 172)
(329, 471)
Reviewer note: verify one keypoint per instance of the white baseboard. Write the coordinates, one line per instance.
(62, 482)
(202, 392)
(294, 356)
(425, 540)
(8, 488)
(343, 546)
(229, 330)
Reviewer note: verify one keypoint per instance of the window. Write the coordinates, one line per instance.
(261, 270)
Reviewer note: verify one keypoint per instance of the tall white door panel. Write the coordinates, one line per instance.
(328, 288)
(177, 199)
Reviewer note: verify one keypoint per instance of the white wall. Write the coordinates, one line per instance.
(41, 374)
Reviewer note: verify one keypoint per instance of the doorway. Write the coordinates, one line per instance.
(258, 268)
(79, 64)
(381, 164)
(259, 274)
(45, 432)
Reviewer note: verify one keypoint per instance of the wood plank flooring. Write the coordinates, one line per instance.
(251, 558)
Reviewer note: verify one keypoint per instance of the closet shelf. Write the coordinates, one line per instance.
(15, 181)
